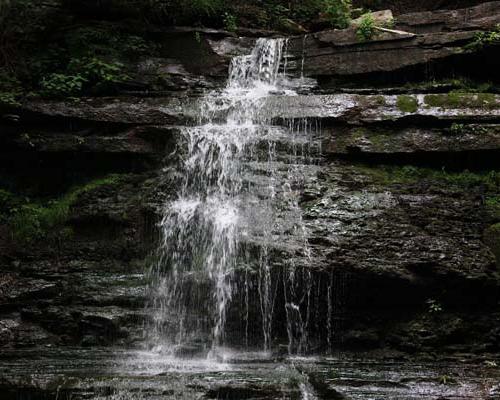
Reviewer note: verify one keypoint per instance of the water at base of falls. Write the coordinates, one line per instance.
(231, 178)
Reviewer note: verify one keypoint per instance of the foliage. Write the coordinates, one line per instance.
(366, 28)
(230, 22)
(434, 307)
(14, 15)
(104, 40)
(30, 221)
(307, 9)
(493, 201)
(10, 88)
(61, 85)
(277, 14)
(75, 60)
(484, 39)
(192, 12)
(9, 99)
(457, 128)
(407, 104)
(90, 71)
(8, 202)
(96, 70)
(339, 13)
(493, 205)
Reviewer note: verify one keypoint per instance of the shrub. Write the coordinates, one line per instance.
(366, 28)
(339, 13)
(61, 85)
(82, 72)
(307, 9)
(192, 12)
(483, 39)
(277, 14)
(230, 22)
(95, 70)
(8, 202)
(8, 98)
(10, 88)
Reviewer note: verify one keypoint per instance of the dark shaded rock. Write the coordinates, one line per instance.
(15, 289)
(15, 332)
(90, 286)
(418, 236)
(359, 339)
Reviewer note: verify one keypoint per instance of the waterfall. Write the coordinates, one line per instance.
(220, 206)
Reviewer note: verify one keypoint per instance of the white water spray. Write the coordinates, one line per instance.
(203, 227)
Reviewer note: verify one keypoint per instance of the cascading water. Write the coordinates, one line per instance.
(220, 206)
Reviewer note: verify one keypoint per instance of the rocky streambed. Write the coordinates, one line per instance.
(117, 374)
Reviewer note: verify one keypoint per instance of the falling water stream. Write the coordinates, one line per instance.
(232, 178)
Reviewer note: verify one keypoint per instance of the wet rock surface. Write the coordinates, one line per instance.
(402, 259)
(103, 374)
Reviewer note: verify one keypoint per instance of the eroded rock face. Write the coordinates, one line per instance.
(404, 256)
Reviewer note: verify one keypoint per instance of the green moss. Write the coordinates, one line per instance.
(493, 206)
(31, 221)
(492, 239)
(360, 133)
(490, 181)
(458, 99)
(407, 104)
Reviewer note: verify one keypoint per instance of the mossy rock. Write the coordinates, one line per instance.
(455, 100)
(492, 240)
(407, 104)
(409, 174)
(493, 206)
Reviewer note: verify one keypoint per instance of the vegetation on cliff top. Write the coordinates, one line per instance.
(73, 48)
